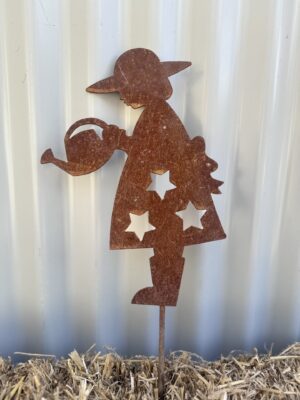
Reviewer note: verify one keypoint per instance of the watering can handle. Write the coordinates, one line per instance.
(85, 121)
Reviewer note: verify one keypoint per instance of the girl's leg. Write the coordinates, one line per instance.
(166, 271)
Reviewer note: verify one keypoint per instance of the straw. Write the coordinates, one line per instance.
(110, 377)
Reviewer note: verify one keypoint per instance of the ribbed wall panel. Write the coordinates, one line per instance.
(60, 285)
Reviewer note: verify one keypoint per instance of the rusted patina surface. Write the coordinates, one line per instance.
(159, 145)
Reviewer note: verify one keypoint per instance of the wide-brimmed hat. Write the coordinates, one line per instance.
(134, 65)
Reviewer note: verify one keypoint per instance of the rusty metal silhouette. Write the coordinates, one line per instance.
(159, 144)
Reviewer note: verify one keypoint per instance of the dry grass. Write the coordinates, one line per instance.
(96, 376)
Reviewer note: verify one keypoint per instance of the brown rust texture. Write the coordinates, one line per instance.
(159, 144)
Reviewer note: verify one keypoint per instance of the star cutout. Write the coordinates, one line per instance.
(161, 183)
(140, 224)
(191, 216)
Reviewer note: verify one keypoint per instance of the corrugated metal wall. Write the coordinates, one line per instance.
(60, 285)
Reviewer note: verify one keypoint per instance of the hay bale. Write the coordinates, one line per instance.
(111, 377)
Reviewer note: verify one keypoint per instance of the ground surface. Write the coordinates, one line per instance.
(95, 376)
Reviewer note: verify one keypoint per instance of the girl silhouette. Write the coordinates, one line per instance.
(161, 147)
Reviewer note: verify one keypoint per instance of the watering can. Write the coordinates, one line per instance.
(86, 151)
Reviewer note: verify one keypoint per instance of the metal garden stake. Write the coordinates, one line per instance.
(166, 176)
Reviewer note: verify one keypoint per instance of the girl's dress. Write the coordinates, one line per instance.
(160, 143)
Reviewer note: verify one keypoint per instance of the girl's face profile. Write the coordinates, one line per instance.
(139, 94)
(139, 83)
